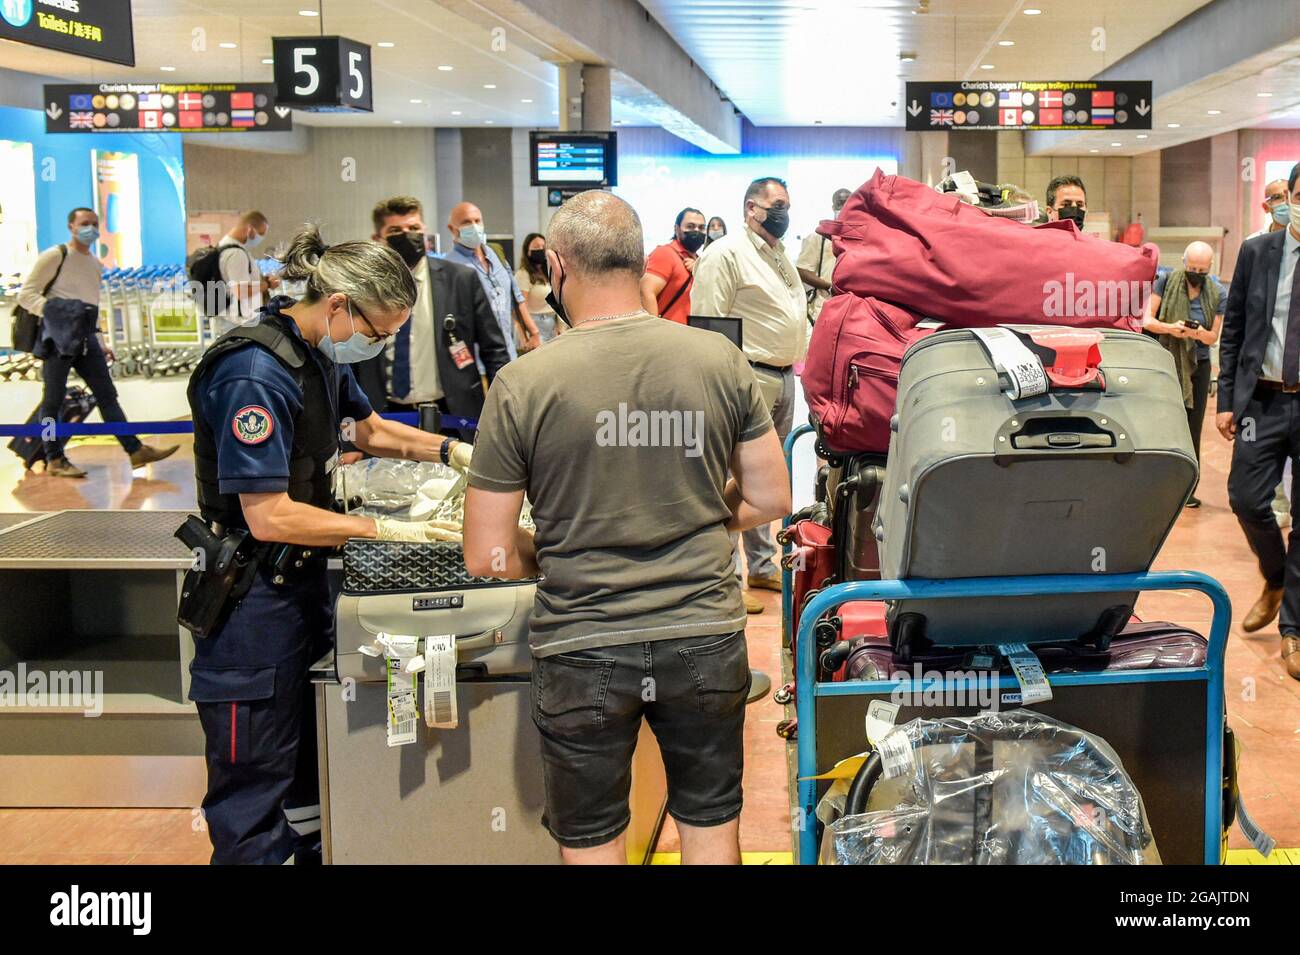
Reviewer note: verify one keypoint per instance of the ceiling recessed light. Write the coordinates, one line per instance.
(1032, 11)
(1214, 112)
(525, 101)
(446, 67)
(487, 122)
(1264, 94)
(268, 61)
(455, 112)
(1006, 42)
(1094, 150)
(489, 86)
(228, 45)
(386, 44)
(1117, 144)
(1142, 136)
(987, 66)
(310, 13)
(417, 101)
(1173, 125)
(167, 69)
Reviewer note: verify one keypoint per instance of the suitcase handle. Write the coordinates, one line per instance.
(1038, 435)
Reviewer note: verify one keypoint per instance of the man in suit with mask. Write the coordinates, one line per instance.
(1259, 412)
(432, 358)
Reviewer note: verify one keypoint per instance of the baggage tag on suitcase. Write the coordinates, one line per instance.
(1023, 371)
(1034, 687)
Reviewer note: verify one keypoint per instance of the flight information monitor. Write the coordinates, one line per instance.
(574, 160)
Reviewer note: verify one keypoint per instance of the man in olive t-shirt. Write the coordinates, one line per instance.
(622, 434)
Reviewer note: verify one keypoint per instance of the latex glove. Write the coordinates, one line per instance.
(460, 455)
(417, 532)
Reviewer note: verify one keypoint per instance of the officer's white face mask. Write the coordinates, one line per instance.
(356, 347)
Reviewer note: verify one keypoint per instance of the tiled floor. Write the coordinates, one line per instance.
(1263, 703)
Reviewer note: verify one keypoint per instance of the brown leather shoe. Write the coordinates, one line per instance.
(1264, 610)
(766, 583)
(62, 467)
(145, 454)
(1291, 656)
(752, 603)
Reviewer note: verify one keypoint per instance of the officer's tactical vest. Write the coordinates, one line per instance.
(315, 431)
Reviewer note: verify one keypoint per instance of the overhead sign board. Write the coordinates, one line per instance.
(323, 73)
(99, 29)
(164, 108)
(1028, 104)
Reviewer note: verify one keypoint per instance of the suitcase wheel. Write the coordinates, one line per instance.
(787, 729)
(784, 695)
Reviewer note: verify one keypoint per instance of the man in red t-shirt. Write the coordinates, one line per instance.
(670, 269)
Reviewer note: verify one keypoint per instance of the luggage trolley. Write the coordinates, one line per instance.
(175, 324)
(1197, 691)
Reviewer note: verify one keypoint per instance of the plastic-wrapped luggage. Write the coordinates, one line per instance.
(899, 241)
(1040, 451)
(1016, 788)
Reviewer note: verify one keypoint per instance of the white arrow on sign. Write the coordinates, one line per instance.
(282, 111)
(915, 108)
(1142, 108)
(53, 111)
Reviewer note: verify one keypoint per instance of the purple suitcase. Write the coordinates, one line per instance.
(1139, 646)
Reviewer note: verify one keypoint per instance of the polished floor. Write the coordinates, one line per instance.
(1263, 702)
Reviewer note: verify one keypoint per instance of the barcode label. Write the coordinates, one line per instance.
(440, 682)
(1034, 687)
(896, 755)
(442, 707)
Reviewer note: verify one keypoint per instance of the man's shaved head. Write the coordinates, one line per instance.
(1199, 257)
(464, 213)
(596, 233)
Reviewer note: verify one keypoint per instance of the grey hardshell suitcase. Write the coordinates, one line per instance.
(1087, 477)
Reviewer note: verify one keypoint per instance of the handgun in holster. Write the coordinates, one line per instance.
(223, 570)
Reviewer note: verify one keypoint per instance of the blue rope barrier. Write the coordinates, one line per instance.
(65, 430)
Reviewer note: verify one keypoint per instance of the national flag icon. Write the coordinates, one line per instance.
(1103, 98)
(241, 117)
(940, 99)
(940, 117)
(150, 119)
(189, 101)
(241, 101)
(1049, 117)
(1103, 117)
(149, 101)
(1009, 116)
(191, 118)
(1009, 98)
(1049, 99)
(81, 119)
(79, 101)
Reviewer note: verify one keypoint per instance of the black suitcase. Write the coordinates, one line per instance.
(78, 403)
(853, 486)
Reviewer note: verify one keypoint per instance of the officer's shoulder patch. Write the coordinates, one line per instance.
(252, 424)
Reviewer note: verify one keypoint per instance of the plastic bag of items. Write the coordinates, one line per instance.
(411, 490)
(1014, 788)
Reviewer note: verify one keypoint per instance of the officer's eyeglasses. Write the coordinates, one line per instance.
(376, 338)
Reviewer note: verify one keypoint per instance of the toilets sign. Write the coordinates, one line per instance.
(99, 29)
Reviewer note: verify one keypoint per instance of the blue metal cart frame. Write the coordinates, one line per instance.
(808, 689)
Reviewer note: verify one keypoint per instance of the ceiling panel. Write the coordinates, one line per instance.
(187, 35)
(837, 62)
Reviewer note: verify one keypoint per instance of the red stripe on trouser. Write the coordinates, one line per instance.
(233, 728)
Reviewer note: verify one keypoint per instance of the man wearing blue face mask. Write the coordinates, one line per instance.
(269, 401)
(470, 247)
(1276, 208)
(63, 288)
(244, 284)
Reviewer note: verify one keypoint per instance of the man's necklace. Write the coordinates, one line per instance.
(610, 318)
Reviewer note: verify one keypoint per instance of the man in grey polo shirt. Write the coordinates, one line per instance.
(622, 432)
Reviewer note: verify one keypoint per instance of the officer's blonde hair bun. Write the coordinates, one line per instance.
(372, 275)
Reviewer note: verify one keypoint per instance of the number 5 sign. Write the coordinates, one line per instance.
(322, 73)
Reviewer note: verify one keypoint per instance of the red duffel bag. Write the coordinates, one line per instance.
(900, 241)
(850, 378)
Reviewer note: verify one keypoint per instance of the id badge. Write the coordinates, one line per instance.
(460, 354)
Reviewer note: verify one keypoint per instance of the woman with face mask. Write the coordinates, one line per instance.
(716, 230)
(536, 285)
(270, 401)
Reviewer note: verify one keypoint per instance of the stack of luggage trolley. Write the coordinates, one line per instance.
(965, 583)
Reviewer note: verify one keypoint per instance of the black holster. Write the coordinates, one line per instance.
(223, 570)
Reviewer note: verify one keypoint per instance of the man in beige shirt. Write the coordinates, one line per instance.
(747, 275)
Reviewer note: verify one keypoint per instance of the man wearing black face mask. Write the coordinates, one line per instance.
(431, 360)
(747, 275)
(670, 269)
(1067, 199)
